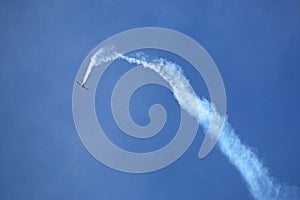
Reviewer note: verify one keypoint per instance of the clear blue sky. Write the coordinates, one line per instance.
(255, 45)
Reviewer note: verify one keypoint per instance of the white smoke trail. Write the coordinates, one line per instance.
(103, 55)
(261, 185)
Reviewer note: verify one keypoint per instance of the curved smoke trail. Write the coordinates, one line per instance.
(261, 185)
(103, 55)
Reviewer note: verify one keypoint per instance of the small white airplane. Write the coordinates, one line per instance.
(82, 85)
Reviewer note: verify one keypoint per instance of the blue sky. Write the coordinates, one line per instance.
(254, 44)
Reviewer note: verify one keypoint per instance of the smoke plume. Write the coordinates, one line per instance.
(260, 183)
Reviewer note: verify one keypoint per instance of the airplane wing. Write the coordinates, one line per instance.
(82, 85)
(85, 87)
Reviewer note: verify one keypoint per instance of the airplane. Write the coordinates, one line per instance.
(82, 85)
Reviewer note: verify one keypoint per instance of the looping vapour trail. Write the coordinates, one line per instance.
(261, 185)
(100, 57)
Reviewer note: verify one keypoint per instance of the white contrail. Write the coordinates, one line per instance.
(261, 185)
(103, 55)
